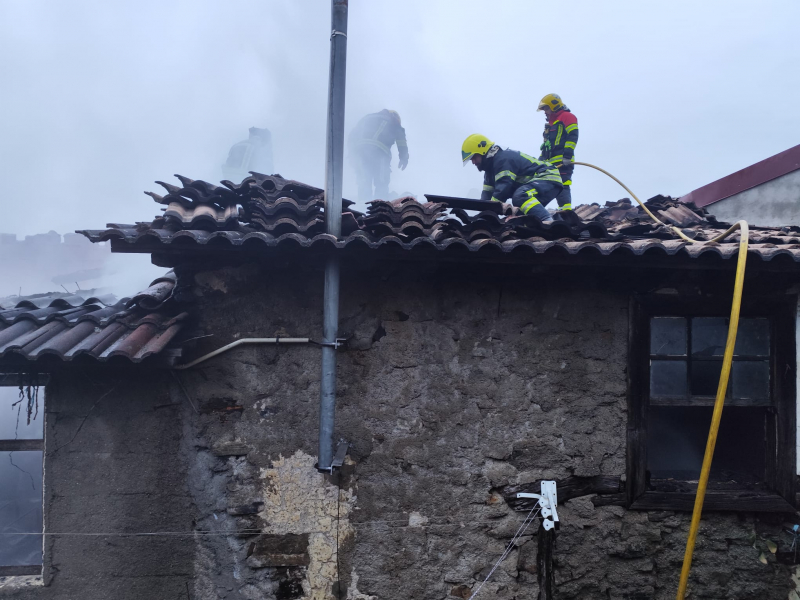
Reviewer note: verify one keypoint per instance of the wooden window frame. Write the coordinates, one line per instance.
(781, 472)
(14, 380)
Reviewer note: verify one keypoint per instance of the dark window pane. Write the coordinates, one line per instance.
(705, 377)
(709, 336)
(20, 508)
(750, 380)
(667, 378)
(668, 336)
(14, 419)
(676, 442)
(752, 338)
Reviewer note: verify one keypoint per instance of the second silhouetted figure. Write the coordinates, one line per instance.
(371, 144)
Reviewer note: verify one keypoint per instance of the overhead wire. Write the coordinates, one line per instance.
(393, 524)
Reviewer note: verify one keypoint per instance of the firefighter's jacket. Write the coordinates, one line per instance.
(507, 170)
(380, 130)
(560, 137)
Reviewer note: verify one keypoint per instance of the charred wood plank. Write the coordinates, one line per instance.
(20, 570)
(17, 445)
(467, 203)
(620, 499)
(289, 550)
(253, 508)
(569, 488)
(727, 501)
(230, 449)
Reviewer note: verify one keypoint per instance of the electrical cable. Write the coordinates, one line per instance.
(722, 388)
(338, 518)
(522, 528)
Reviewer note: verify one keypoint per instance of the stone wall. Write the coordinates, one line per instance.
(453, 384)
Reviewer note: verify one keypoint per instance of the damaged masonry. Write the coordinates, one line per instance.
(484, 352)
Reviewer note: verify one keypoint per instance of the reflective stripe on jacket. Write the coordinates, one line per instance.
(508, 169)
(560, 137)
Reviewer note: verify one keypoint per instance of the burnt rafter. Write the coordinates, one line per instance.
(569, 488)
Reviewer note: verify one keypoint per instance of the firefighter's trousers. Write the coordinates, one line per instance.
(372, 168)
(532, 197)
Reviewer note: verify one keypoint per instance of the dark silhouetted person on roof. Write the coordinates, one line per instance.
(252, 154)
(371, 152)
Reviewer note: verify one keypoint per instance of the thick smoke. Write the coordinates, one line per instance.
(101, 99)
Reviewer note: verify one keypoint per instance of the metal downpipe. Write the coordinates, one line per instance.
(334, 168)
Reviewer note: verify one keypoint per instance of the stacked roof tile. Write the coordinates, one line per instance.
(99, 328)
(273, 211)
(405, 218)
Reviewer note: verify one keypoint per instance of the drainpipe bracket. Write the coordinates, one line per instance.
(335, 344)
(341, 453)
(338, 458)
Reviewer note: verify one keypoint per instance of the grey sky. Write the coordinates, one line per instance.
(102, 98)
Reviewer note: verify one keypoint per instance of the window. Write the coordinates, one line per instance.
(675, 362)
(21, 481)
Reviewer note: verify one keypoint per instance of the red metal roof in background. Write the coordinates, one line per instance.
(749, 177)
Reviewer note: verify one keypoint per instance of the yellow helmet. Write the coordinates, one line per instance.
(395, 114)
(551, 101)
(475, 144)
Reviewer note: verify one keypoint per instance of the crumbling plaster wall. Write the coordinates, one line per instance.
(454, 383)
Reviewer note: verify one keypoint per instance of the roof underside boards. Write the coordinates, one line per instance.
(132, 329)
(277, 213)
(761, 172)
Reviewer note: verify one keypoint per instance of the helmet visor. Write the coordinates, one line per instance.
(465, 156)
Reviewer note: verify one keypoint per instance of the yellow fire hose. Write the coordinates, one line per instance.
(723, 379)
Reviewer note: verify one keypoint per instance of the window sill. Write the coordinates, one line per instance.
(708, 401)
(728, 501)
(18, 582)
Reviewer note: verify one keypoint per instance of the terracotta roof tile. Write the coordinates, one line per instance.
(133, 329)
(277, 212)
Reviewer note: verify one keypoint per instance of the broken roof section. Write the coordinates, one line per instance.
(272, 212)
(70, 327)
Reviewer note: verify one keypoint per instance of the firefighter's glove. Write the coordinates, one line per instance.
(565, 162)
(402, 165)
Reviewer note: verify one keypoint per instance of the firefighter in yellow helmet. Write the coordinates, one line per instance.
(371, 144)
(558, 147)
(511, 175)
